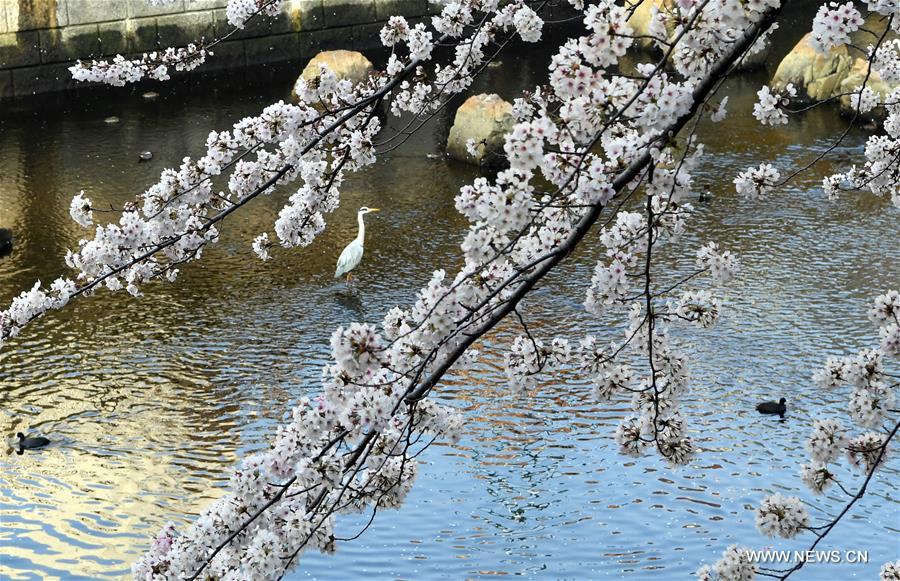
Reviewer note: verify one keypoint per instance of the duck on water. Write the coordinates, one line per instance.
(771, 407)
(31, 443)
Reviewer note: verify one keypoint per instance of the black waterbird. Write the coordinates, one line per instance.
(31, 443)
(771, 407)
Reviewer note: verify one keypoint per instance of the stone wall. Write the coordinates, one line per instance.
(39, 39)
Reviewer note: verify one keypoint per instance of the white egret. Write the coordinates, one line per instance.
(353, 253)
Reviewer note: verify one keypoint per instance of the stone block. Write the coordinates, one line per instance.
(81, 41)
(42, 79)
(6, 84)
(32, 14)
(113, 38)
(86, 11)
(367, 36)
(315, 41)
(228, 55)
(19, 49)
(348, 12)
(307, 14)
(384, 9)
(182, 29)
(141, 8)
(272, 49)
(62, 12)
(141, 34)
(206, 4)
(259, 25)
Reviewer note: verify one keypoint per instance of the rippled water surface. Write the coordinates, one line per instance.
(150, 401)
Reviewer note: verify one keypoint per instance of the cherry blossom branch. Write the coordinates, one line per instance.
(856, 112)
(585, 224)
(827, 528)
(155, 65)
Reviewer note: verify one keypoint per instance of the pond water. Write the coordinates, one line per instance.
(150, 401)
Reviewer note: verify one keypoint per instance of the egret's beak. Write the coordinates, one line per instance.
(374, 210)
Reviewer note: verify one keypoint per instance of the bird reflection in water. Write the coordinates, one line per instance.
(349, 299)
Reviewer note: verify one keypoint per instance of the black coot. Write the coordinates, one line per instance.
(32, 442)
(771, 407)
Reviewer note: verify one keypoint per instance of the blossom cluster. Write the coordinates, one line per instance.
(784, 516)
(872, 392)
(757, 182)
(176, 218)
(871, 396)
(238, 12)
(734, 565)
(768, 110)
(890, 571)
(870, 404)
(881, 172)
(871, 399)
(833, 25)
(527, 357)
(706, 29)
(623, 279)
(155, 65)
(352, 447)
(374, 390)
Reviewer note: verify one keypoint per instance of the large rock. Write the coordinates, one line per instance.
(816, 75)
(854, 80)
(641, 23)
(486, 119)
(345, 64)
(820, 76)
(643, 14)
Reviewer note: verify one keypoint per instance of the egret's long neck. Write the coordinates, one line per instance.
(362, 228)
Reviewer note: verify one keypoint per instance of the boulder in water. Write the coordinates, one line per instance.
(817, 76)
(641, 20)
(486, 119)
(853, 81)
(345, 64)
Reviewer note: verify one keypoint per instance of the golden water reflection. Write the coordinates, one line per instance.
(150, 401)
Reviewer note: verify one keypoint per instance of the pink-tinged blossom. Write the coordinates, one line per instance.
(827, 441)
(528, 24)
(833, 25)
(734, 565)
(396, 30)
(784, 516)
(757, 182)
(868, 451)
(721, 264)
(817, 477)
(890, 571)
(80, 210)
(768, 110)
